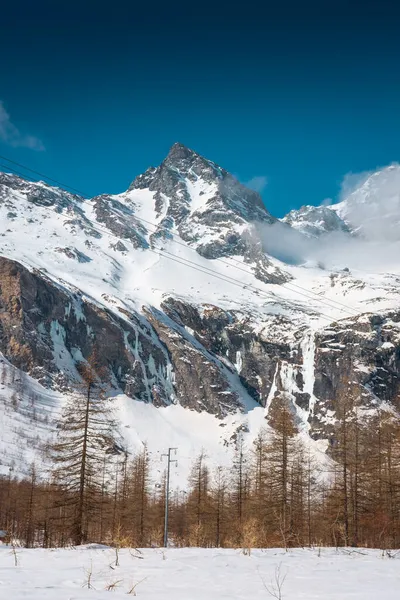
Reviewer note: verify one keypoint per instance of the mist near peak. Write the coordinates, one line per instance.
(369, 209)
(334, 250)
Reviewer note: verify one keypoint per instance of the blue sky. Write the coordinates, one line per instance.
(294, 95)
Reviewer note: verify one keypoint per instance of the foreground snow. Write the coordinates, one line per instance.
(196, 574)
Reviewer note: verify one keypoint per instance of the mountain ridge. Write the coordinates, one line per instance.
(171, 282)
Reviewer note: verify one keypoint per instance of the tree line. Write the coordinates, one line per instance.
(274, 493)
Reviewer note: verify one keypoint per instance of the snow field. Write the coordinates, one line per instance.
(198, 573)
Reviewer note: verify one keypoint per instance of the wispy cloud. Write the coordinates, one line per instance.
(11, 135)
(258, 184)
(333, 250)
(352, 181)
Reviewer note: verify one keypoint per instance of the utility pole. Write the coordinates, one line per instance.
(169, 461)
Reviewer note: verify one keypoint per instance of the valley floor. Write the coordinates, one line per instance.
(197, 574)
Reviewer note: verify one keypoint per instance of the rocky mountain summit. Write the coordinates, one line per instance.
(170, 283)
(314, 221)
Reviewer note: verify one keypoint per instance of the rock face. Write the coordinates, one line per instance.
(39, 193)
(120, 220)
(211, 210)
(364, 351)
(251, 357)
(169, 283)
(45, 331)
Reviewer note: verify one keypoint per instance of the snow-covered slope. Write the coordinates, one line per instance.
(175, 574)
(199, 328)
(373, 208)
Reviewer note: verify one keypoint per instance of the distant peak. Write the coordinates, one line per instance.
(183, 159)
(179, 158)
(180, 151)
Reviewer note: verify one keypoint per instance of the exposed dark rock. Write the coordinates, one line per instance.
(120, 220)
(361, 353)
(41, 195)
(44, 330)
(119, 247)
(227, 336)
(74, 254)
(199, 377)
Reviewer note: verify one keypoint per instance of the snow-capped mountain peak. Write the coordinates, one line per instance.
(192, 198)
(314, 221)
(196, 184)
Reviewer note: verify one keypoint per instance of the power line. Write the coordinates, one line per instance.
(8, 168)
(304, 292)
(236, 282)
(221, 277)
(158, 228)
(41, 175)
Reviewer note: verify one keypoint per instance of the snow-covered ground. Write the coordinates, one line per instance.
(197, 574)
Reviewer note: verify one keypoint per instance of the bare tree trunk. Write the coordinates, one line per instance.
(30, 528)
(78, 533)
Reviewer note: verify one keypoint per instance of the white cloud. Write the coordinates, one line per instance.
(333, 250)
(10, 134)
(373, 212)
(374, 209)
(258, 184)
(352, 181)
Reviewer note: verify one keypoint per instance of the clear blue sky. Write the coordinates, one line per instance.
(299, 93)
